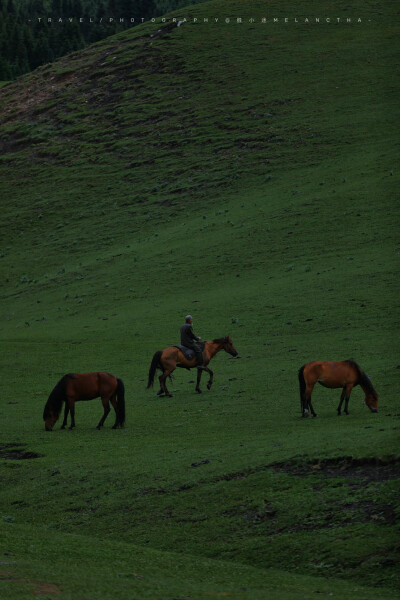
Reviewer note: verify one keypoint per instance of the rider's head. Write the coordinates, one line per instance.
(189, 319)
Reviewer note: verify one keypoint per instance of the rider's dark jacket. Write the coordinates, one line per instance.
(188, 336)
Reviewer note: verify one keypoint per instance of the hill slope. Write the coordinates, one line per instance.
(245, 173)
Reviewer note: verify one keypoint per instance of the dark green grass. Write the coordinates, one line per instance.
(138, 572)
(247, 176)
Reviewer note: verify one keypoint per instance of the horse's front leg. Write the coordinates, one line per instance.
(66, 411)
(210, 381)
(342, 396)
(347, 398)
(199, 372)
(72, 411)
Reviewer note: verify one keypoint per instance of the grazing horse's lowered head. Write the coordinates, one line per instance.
(371, 396)
(50, 418)
(54, 404)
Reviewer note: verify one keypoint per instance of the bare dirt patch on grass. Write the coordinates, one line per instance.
(39, 587)
(368, 469)
(17, 452)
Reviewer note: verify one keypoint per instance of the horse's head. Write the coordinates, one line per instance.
(371, 400)
(50, 417)
(228, 346)
(371, 396)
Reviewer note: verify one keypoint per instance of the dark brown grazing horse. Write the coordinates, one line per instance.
(168, 359)
(85, 386)
(344, 374)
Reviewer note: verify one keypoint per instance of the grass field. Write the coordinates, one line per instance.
(246, 174)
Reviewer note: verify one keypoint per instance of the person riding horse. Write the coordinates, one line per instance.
(188, 336)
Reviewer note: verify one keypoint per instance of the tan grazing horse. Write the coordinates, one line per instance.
(344, 374)
(168, 359)
(85, 386)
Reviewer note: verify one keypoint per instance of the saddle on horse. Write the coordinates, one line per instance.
(191, 353)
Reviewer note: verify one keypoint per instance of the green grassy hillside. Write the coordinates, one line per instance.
(245, 173)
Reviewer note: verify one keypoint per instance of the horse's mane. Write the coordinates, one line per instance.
(57, 397)
(219, 340)
(363, 379)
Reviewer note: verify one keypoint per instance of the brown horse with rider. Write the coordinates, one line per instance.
(168, 359)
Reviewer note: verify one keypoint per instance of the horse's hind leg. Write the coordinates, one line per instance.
(307, 401)
(305, 406)
(314, 414)
(113, 401)
(161, 390)
(106, 406)
(163, 383)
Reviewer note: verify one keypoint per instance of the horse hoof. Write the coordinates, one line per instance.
(199, 391)
(209, 386)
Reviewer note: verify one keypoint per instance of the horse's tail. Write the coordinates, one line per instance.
(120, 402)
(56, 398)
(302, 383)
(155, 364)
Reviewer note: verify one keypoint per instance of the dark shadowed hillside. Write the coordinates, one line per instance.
(36, 32)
